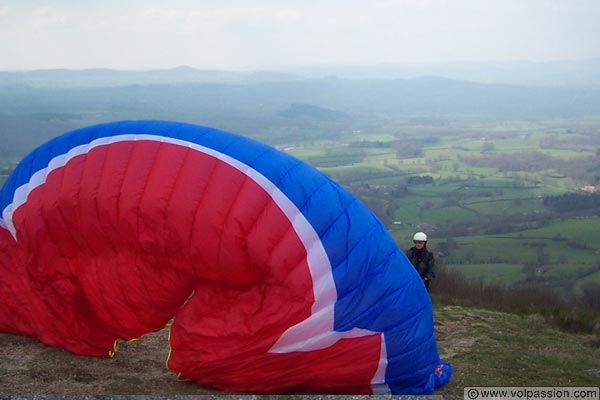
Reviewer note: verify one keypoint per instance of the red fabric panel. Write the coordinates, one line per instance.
(114, 243)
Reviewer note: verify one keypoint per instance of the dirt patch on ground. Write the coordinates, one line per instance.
(29, 367)
(454, 333)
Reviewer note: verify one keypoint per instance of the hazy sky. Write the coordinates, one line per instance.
(143, 34)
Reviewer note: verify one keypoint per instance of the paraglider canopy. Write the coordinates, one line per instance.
(274, 276)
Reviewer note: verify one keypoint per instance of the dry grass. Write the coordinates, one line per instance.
(491, 348)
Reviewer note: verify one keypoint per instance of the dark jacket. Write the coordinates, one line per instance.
(423, 261)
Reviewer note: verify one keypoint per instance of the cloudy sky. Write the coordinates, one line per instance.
(237, 34)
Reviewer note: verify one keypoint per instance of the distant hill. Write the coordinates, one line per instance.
(268, 104)
(564, 73)
(561, 73)
(419, 96)
(102, 77)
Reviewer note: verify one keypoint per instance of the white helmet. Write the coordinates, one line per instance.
(420, 237)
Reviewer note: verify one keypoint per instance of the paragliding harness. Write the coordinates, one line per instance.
(424, 263)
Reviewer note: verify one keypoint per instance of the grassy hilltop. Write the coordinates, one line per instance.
(486, 348)
(490, 348)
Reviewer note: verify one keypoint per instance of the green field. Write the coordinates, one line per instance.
(494, 274)
(482, 185)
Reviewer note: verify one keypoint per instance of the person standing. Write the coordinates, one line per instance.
(422, 259)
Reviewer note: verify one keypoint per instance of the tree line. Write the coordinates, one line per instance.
(573, 201)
